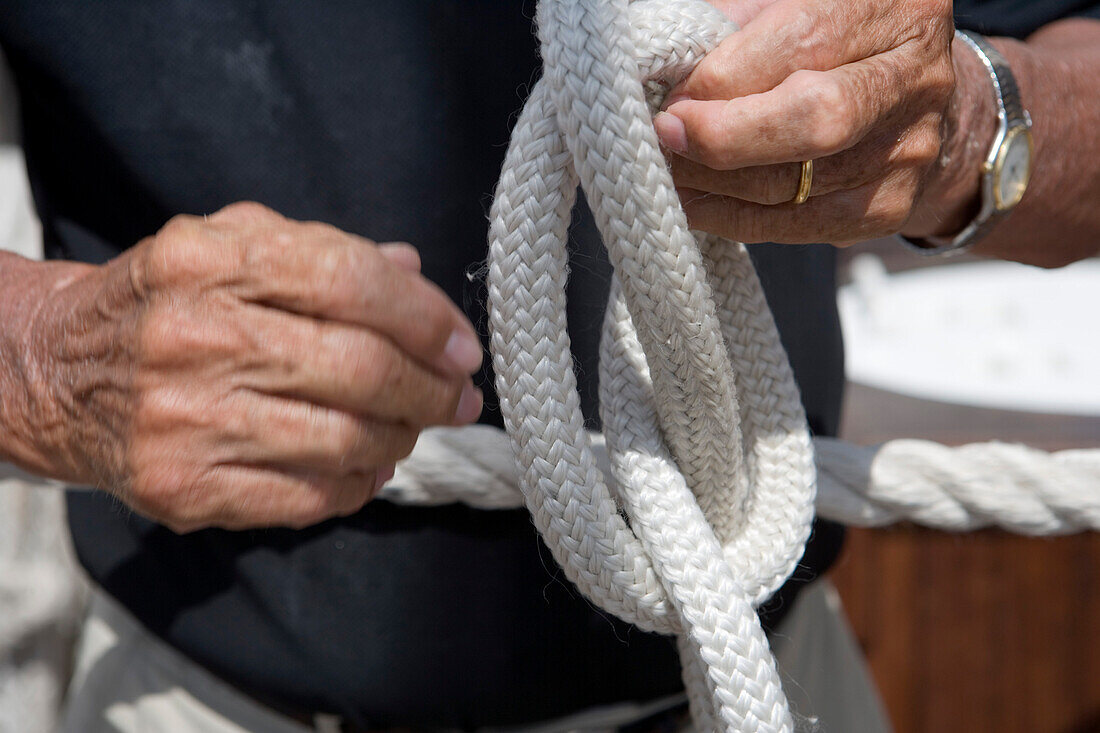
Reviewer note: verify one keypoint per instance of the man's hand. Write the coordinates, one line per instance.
(246, 370)
(861, 87)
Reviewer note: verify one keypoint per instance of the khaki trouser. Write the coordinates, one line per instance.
(128, 681)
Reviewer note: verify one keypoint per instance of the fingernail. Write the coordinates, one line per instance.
(469, 405)
(383, 475)
(463, 350)
(671, 131)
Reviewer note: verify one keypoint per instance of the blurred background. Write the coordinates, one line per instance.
(983, 631)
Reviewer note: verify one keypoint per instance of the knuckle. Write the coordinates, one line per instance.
(244, 211)
(804, 82)
(927, 144)
(345, 273)
(708, 78)
(319, 230)
(811, 47)
(180, 226)
(175, 251)
(831, 114)
(364, 264)
(830, 135)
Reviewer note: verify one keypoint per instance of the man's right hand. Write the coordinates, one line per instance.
(246, 370)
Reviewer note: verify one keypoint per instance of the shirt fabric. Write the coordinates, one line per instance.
(388, 119)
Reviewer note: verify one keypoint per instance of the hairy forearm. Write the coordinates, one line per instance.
(1058, 220)
(25, 289)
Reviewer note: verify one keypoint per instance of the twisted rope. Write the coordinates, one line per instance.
(1010, 487)
(713, 488)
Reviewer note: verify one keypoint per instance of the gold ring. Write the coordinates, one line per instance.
(805, 181)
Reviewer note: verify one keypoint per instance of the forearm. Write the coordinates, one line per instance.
(1058, 220)
(25, 288)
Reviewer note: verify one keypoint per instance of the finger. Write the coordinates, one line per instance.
(264, 430)
(792, 35)
(778, 183)
(349, 368)
(315, 269)
(810, 115)
(874, 210)
(402, 254)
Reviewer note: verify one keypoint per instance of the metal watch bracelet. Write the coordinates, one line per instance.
(1010, 114)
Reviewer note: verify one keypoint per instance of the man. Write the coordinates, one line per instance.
(238, 373)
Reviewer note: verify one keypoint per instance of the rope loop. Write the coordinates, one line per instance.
(717, 491)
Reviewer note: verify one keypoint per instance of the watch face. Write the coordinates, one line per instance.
(1013, 168)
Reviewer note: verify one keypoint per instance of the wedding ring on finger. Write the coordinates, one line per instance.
(805, 182)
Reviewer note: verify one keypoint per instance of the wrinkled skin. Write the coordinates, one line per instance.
(244, 370)
(864, 89)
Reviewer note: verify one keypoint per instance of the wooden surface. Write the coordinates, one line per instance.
(977, 632)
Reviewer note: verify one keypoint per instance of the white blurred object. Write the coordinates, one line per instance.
(988, 334)
(42, 594)
(20, 230)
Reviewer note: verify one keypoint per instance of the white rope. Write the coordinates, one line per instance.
(713, 470)
(1011, 487)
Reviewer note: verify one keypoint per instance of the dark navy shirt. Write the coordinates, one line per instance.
(386, 118)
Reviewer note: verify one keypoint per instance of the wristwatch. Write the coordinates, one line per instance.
(1006, 169)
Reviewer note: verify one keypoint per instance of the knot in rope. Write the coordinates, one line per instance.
(705, 431)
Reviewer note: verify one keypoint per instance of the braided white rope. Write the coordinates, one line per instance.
(702, 545)
(706, 440)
